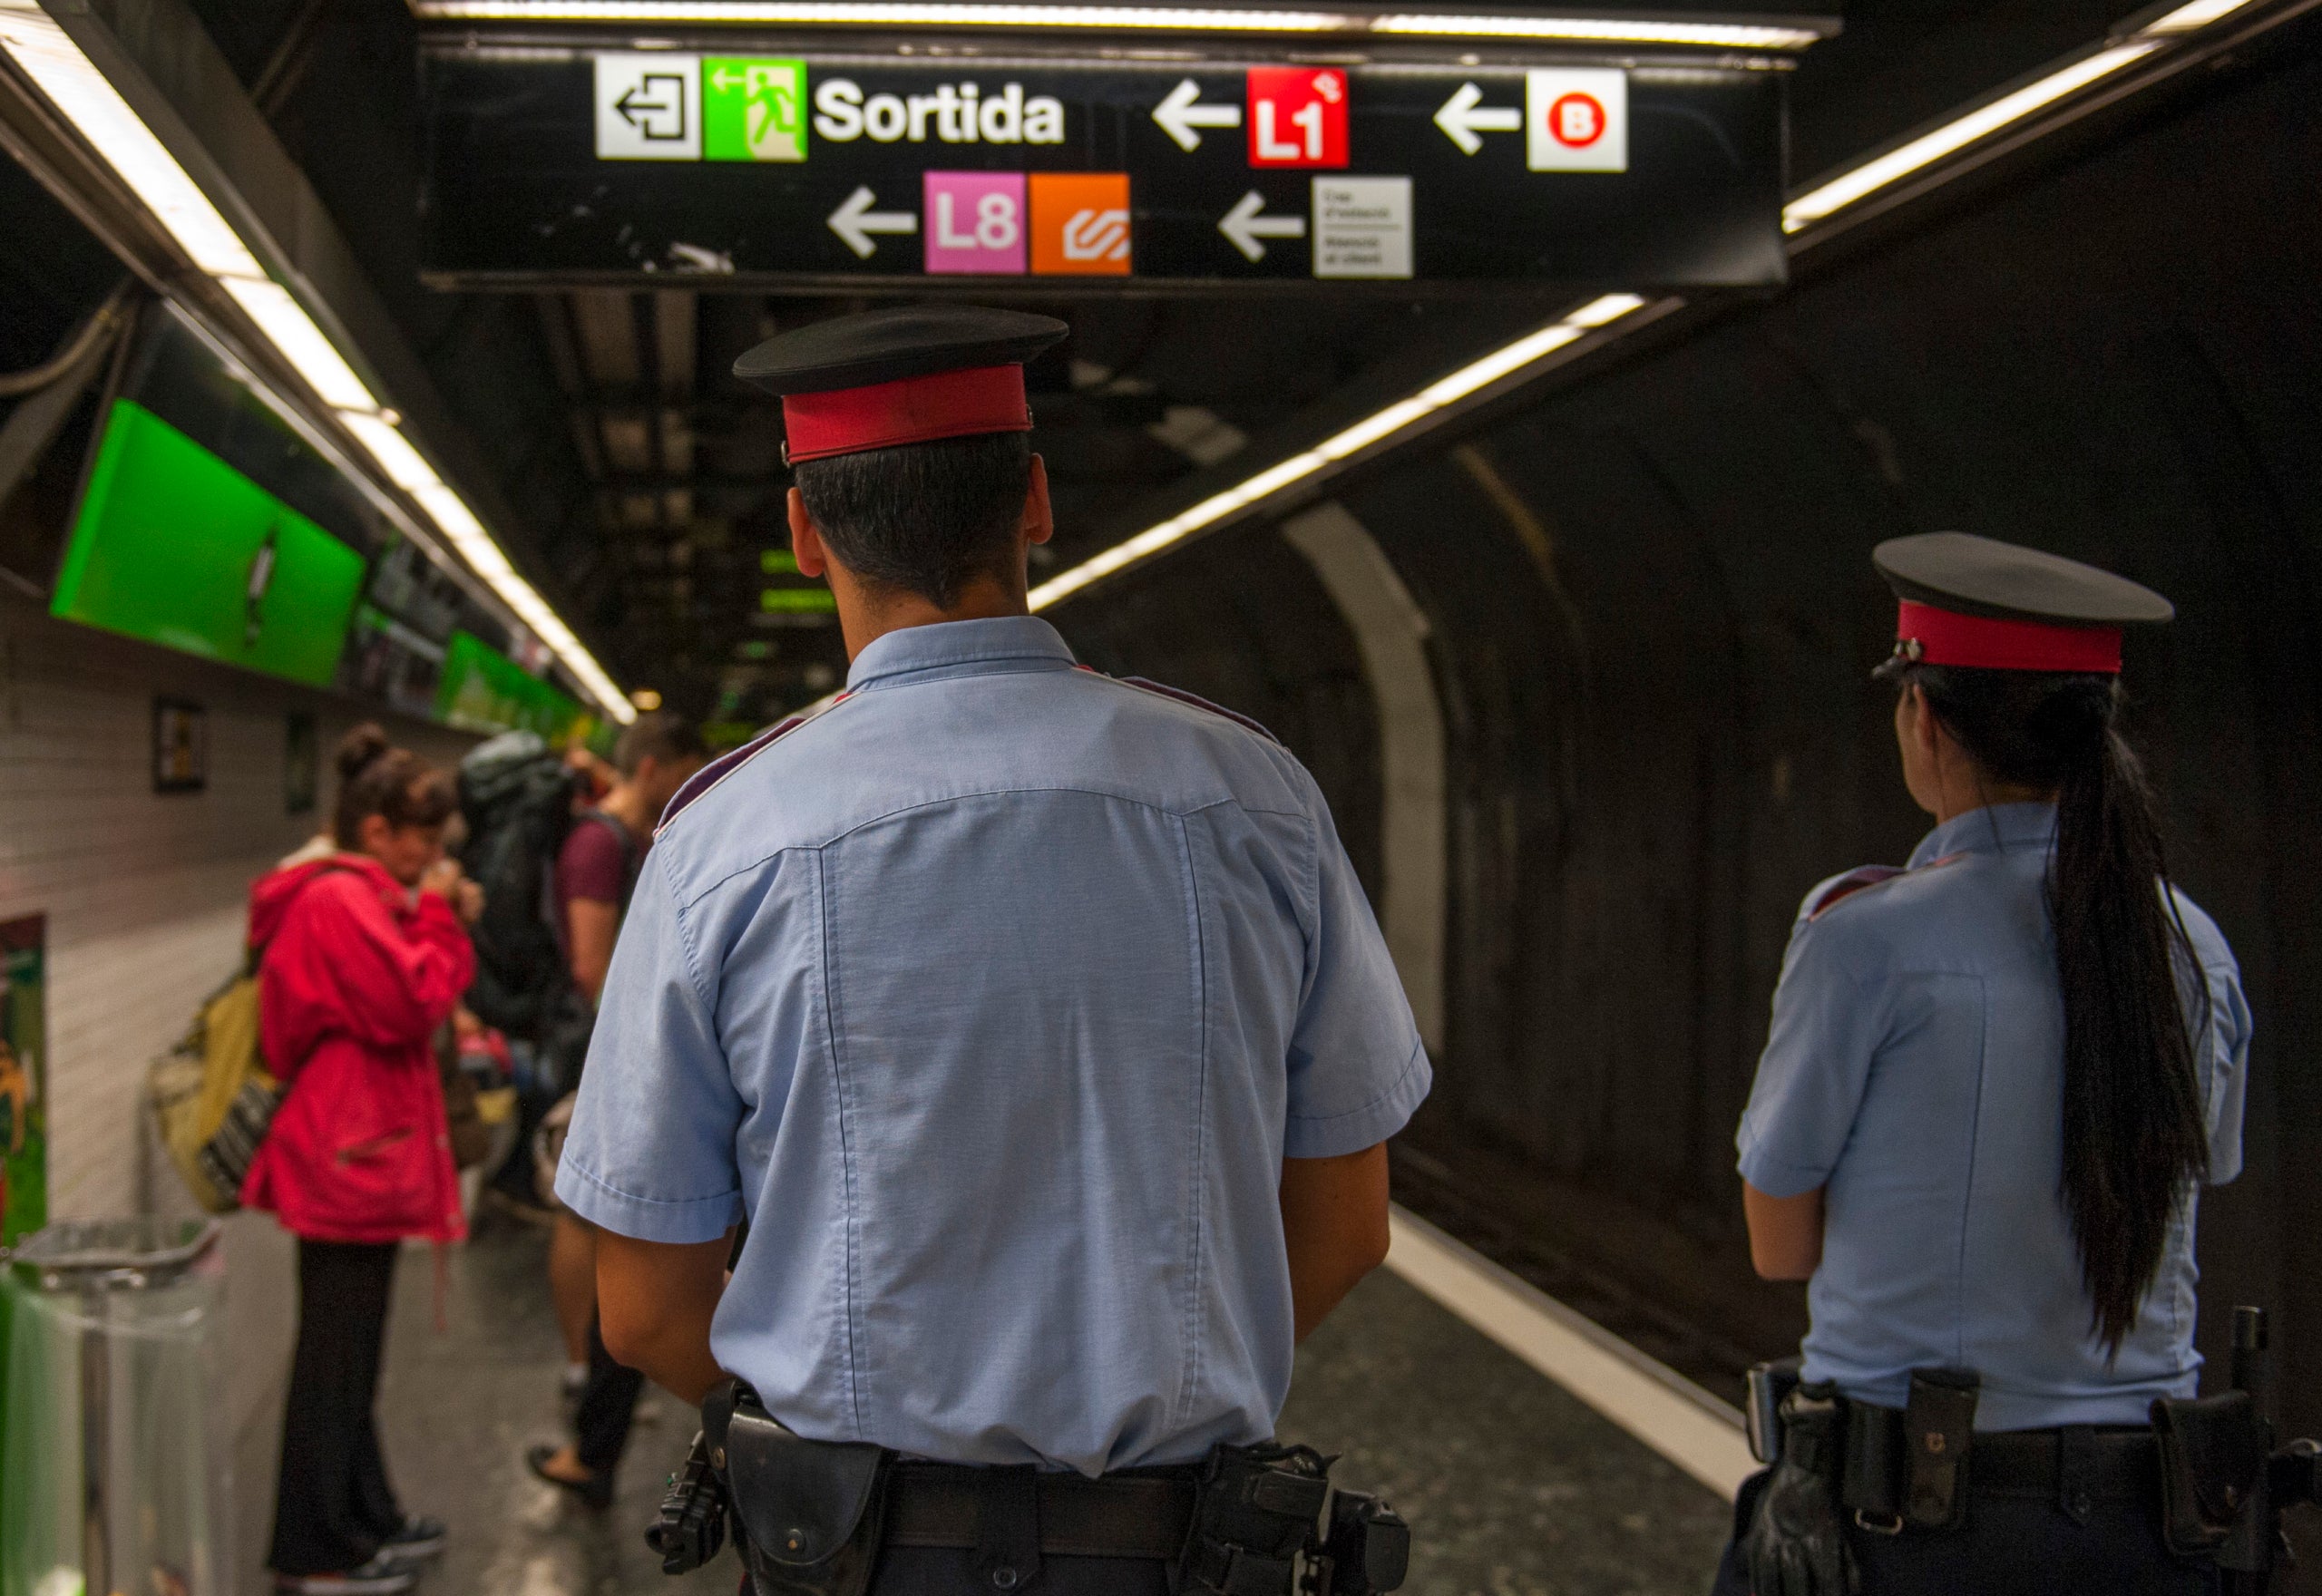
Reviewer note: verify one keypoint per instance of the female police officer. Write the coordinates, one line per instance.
(1995, 1082)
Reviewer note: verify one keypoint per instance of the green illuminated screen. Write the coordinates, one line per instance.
(174, 546)
(483, 690)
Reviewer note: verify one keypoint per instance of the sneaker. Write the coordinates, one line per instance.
(416, 1539)
(383, 1575)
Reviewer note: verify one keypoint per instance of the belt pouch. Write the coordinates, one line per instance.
(1255, 1509)
(1938, 1433)
(2212, 1451)
(1872, 1481)
(809, 1512)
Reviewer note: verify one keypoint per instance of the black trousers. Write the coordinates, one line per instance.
(333, 1505)
(2009, 1546)
(607, 1405)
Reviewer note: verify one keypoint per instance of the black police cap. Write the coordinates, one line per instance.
(1968, 575)
(891, 344)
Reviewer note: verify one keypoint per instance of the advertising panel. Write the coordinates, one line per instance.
(175, 547)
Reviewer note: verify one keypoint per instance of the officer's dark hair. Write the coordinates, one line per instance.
(656, 735)
(922, 518)
(374, 777)
(2135, 1138)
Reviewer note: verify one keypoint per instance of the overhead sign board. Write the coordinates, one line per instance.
(569, 165)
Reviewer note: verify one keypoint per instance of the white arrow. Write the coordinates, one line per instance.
(1179, 116)
(1462, 119)
(855, 222)
(1246, 227)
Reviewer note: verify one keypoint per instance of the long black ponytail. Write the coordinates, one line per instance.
(2135, 1136)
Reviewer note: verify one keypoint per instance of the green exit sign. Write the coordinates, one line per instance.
(753, 108)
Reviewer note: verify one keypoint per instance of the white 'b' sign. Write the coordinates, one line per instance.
(1576, 119)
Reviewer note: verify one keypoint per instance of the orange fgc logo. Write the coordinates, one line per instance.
(1080, 223)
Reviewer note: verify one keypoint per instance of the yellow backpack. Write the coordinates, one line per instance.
(213, 1097)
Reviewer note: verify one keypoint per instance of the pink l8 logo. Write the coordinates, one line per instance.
(975, 222)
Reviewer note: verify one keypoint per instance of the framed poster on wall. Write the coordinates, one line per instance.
(23, 1099)
(180, 747)
(302, 765)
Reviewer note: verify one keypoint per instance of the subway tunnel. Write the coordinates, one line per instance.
(1581, 656)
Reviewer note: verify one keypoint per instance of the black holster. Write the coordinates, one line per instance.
(1909, 1469)
(2213, 1473)
(1255, 1509)
(806, 1514)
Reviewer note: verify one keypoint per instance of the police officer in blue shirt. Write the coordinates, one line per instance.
(1995, 1082)
(1035, 1023)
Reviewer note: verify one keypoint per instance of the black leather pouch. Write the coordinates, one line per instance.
(809, 1513)
(2212, 1453)
(1938, 1435)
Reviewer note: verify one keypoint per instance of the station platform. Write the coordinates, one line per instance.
(1513, 1485)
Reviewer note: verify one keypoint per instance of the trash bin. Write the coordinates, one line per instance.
(114, 1467)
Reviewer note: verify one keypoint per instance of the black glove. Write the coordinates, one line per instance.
(1796, 1544)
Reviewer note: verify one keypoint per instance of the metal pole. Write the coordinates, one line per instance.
(96, 1445)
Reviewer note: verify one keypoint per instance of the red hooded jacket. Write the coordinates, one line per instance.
(355, 979)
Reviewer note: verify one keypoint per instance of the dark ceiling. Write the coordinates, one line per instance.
(647, 480)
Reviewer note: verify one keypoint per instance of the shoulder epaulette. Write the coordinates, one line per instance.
(1182, 697)
(1870, 875)
(1849, 884)
(703, 781)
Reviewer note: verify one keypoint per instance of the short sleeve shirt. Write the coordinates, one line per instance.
(994, 996)
(1914, 1071)
(594, 864)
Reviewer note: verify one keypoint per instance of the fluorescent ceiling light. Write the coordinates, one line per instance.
(52, 61)
(2198, 15)
(403, 464)
(1958, 133)
(47, 54)
(291, 330)
(1595, 31)
(1372, 429)
(1140, 18)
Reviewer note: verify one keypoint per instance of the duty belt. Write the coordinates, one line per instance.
(1143, 1515)
(2077, 1466)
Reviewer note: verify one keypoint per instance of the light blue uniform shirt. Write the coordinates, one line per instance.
(1915, 1068)
(995, 997)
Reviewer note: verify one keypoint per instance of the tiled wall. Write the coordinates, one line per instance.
(145, 894)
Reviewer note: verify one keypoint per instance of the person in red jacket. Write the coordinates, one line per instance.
(364, 954)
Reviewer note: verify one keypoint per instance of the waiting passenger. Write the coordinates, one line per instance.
(1995, 1082)
(596, 871)
(365, 955)
(363, 743)
(1035, 1020)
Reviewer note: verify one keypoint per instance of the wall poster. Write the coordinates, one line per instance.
(24, 1101)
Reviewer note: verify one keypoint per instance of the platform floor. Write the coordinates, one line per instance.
(1512, 1486)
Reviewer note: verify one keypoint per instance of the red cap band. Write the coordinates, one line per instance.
(914, 410)
(1944, 637)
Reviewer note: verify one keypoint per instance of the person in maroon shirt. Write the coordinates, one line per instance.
(595, 870)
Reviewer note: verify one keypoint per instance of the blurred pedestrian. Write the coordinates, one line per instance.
(366, 954)
(596, 871)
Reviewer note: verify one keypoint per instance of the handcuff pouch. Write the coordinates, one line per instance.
(2213, 1456)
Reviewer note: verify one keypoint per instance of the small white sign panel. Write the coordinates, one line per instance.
(1576, 119)
(649, 107)
(1362, 227)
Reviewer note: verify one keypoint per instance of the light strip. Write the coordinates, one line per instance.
(1139, 18)
(81, 93)
(1956, 135)
(1469, 379)
(2186, 18)
(1591, 31)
